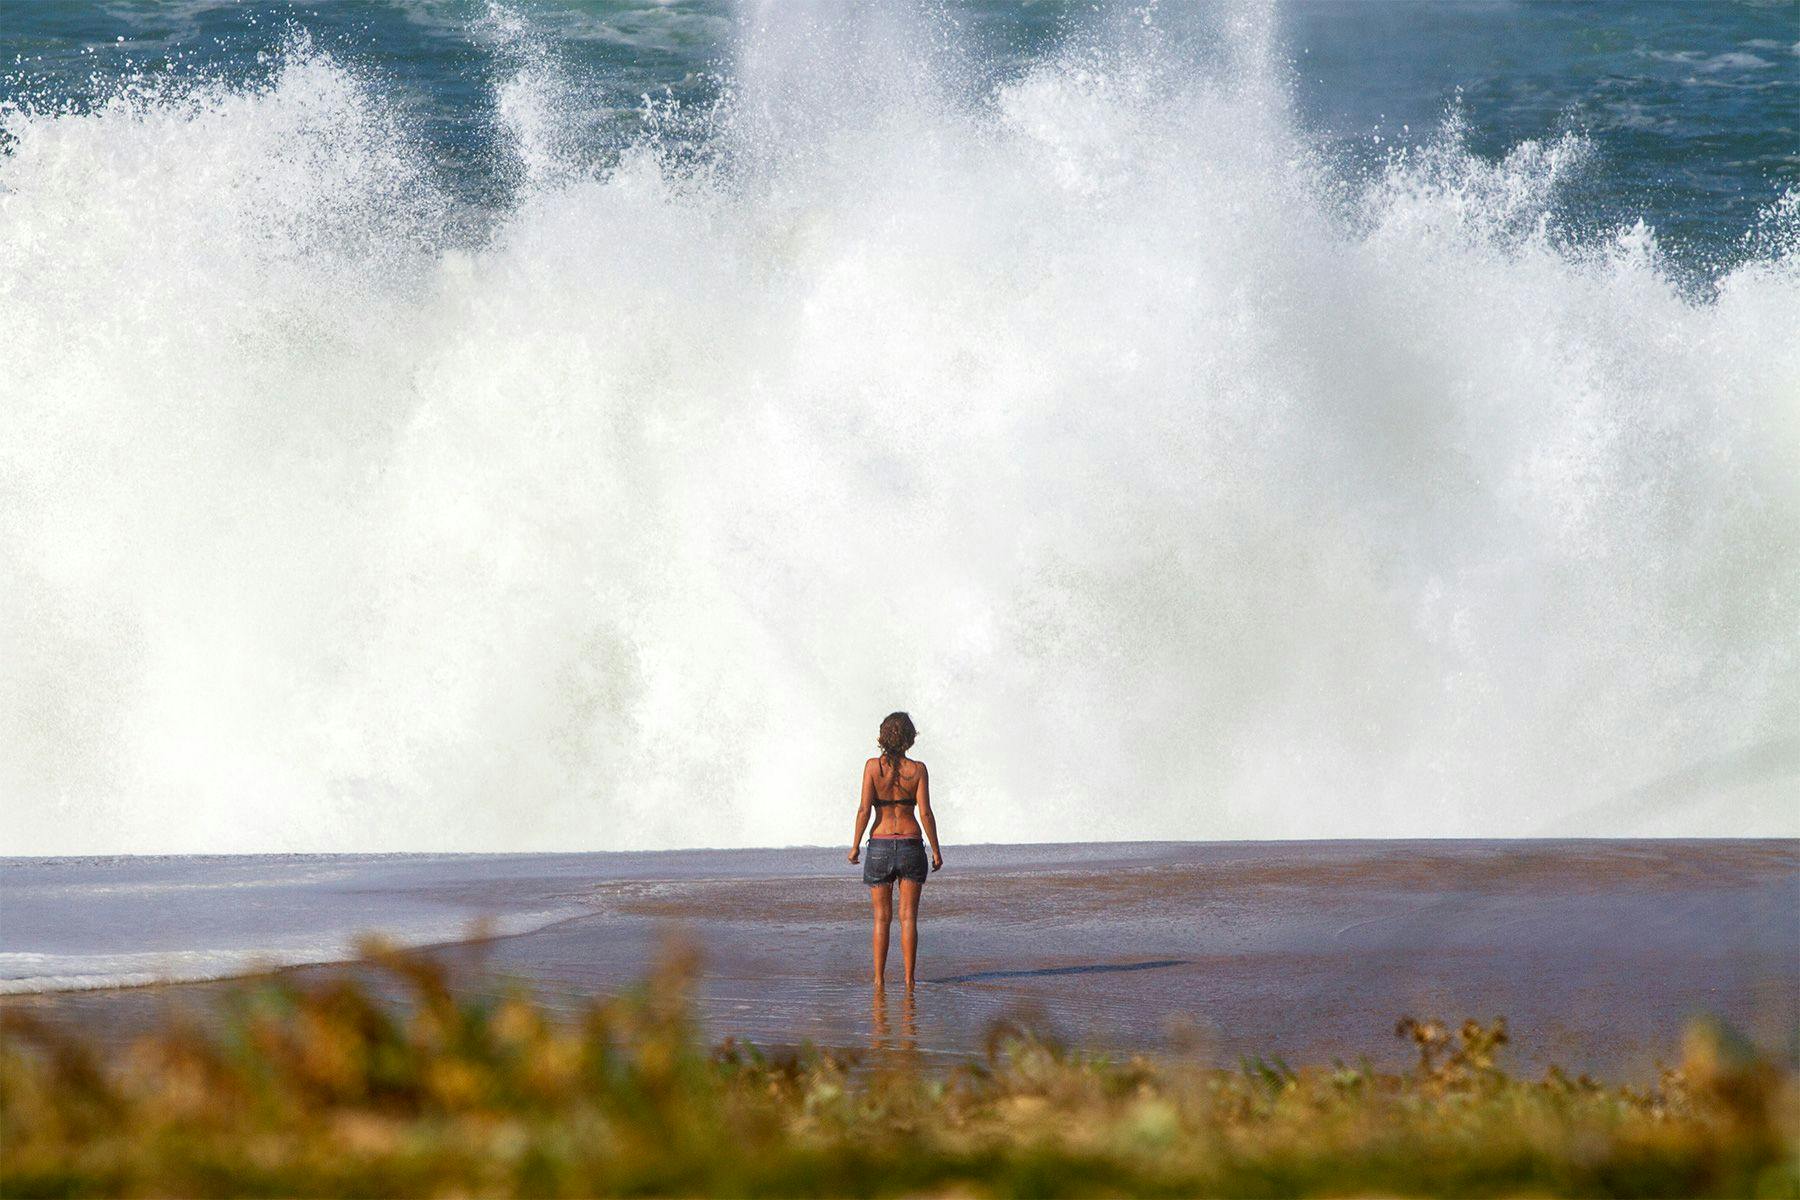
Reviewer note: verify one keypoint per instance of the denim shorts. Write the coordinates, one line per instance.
(888, 859)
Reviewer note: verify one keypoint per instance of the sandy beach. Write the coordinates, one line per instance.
(1596, 951)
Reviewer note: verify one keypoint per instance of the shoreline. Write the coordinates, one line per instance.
(560, 851)
(1597, 950)
(279, 969)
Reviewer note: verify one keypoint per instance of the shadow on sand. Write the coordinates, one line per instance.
(1087, 969)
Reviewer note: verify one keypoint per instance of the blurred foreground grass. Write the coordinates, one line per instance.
(323, 1090)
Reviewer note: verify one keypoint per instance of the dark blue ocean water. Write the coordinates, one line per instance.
(1692, 109)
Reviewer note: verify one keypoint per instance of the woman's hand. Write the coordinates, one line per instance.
(855, 851)
(937, 859)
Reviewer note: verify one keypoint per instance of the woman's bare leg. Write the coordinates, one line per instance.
(883, 897)
(909, 925)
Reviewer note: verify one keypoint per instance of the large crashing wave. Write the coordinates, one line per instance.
(1179, 488)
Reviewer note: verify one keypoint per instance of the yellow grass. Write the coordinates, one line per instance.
(322, 1090)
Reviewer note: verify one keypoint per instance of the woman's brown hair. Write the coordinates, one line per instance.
(897, 737)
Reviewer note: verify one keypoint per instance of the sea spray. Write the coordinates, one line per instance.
(1180, 487)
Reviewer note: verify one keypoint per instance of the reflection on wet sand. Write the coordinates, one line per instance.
(881, 1033)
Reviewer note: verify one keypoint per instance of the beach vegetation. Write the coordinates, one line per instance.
(329, 1087)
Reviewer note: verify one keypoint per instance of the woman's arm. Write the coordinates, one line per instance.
(864, 807)
(928, 821)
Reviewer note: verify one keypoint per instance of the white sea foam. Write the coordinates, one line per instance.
(24, 972)
(1177, 487)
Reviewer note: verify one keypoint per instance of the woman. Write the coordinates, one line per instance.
(892, 786)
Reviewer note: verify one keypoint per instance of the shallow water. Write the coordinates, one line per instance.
(1597, 952)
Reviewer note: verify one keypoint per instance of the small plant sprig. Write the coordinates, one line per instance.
(1472, 1059)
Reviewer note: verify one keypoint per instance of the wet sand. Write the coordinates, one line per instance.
(1596, 952)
